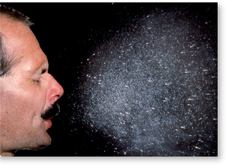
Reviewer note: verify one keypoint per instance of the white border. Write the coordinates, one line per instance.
(167, 1)
(221, 159)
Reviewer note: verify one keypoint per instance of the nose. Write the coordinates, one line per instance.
(55, 91)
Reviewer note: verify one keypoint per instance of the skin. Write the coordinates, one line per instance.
(27, 92)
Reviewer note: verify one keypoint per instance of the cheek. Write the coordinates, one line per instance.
(21, 109)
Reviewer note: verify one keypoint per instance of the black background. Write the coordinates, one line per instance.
(67, 33)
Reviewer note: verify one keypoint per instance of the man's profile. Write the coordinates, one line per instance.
(27, 91)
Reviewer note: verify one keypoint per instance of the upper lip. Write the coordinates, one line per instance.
(51, 112)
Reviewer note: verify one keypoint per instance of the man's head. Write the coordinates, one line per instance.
(27, 90)
(6, 62)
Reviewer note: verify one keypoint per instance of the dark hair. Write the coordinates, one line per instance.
(6, 62)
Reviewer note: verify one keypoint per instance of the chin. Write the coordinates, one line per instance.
(47, 140)
(43, 142)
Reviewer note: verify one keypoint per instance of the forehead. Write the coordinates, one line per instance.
(20, 42)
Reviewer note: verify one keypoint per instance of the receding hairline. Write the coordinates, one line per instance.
(10, 59)
(15, 15)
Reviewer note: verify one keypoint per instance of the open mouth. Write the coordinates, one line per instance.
(51, 112)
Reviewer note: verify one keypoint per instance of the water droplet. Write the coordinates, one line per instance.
(182, 127)
(165, 99)
(213, 76)
(192, 46)
(186, 71)
(196, 147)
(182, 52)
(169, 83)
(149, 80)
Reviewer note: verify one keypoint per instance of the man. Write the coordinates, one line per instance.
(27, 90)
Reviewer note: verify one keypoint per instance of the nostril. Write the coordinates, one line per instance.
(54, 99)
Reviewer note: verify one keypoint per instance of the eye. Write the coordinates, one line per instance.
(38, 76)
(43, 71)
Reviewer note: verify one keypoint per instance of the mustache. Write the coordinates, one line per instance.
(51, 112)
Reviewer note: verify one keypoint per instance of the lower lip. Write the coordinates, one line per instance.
(49, 124)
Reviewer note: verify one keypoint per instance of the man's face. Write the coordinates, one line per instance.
(27, 92)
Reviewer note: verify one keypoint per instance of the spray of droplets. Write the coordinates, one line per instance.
(152, 88)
